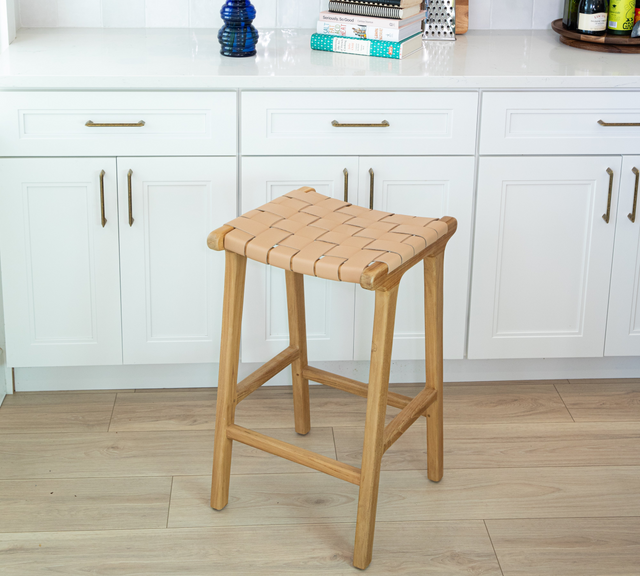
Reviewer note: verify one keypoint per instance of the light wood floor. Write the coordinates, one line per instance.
(541, 479)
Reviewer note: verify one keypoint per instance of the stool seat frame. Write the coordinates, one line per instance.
(378, 438)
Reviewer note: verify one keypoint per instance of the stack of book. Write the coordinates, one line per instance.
(385, 28)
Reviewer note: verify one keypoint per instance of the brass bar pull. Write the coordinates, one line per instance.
(606, 216)
(371, 176)
(129, 174)
(92, 124)
(632, 216)
(603, 123)
(383, 124)
(104, 220)
(346, 185)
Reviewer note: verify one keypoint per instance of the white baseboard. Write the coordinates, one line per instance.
(206, 375)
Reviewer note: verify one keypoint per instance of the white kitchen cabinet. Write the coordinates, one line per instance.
(329, 305)
(60, 266)
(171, 282)
(421, 186)
(362, 122)
(542, 256)
(623, 324)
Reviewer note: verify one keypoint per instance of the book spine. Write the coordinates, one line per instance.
(358, 20)
(357, 31)
(361, 9)
(378, 48)
(394, 3)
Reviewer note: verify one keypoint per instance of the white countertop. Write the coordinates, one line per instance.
(190, 59)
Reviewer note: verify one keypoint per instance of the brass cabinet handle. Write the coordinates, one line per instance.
(606, 216)
(92, 124)
(371, 176)
(104, 220)
(129, 174)
(383, 124)
(603, 123)
(632, 216)
(346, 185)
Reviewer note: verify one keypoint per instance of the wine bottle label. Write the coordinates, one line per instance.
(593, 22)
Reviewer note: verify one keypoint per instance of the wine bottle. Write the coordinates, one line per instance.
(620, 20)
(592, 17)
(570, 14)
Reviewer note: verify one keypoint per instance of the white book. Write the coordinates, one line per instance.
(340, 18)
(369, 32)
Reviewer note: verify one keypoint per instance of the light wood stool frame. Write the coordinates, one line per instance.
(378, 438)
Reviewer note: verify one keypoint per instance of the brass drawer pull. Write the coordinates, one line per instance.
(632, 216)
(603, 123)
(383, 124)
(103, 220)
(371, 177)
(606, 216)
(92, 124)
(346, 185)
(129, 174)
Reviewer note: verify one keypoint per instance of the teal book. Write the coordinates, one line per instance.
(380, 48)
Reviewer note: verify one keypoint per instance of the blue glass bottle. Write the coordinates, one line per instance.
(238, 37)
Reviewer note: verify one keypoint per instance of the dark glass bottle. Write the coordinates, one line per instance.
(570, 14)
(592, 17)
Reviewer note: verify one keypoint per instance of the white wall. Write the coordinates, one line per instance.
(3, 370)
(483, 14)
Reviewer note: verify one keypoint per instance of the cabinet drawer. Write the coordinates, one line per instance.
(156, 123)
(560, 123)
(304, 123)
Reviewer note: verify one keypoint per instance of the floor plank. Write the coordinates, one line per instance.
(417, 548)
(409, 496)
(174, 410)
(84, 504)
(142, 454)
(574, 547)
(272, 407)
(602, 400)
(504, 403)
(69, 412)
(506, 445)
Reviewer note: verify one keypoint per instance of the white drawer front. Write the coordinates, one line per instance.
(156, 123)
(302, 123)
(560, 123)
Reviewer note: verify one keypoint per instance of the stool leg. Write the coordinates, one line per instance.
(385, 312)
(298, 338)
(234, 275)
(433, 282)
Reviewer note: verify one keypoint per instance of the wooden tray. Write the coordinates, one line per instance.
(606, 43)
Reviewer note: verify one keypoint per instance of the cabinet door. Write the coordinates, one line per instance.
(60, 269)
(542, 257)
(171, 282)
(421, 186)
(329, 305)
(623, 324)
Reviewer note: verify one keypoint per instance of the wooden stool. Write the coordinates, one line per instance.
(304, 232)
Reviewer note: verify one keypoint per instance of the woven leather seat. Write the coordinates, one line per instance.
(312, 234)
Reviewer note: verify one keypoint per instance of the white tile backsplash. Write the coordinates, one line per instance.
(123, 14)
(483, 14)
(545, 12)
(39, 13)
(204, 14)
(80, 13)
(167, 13)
